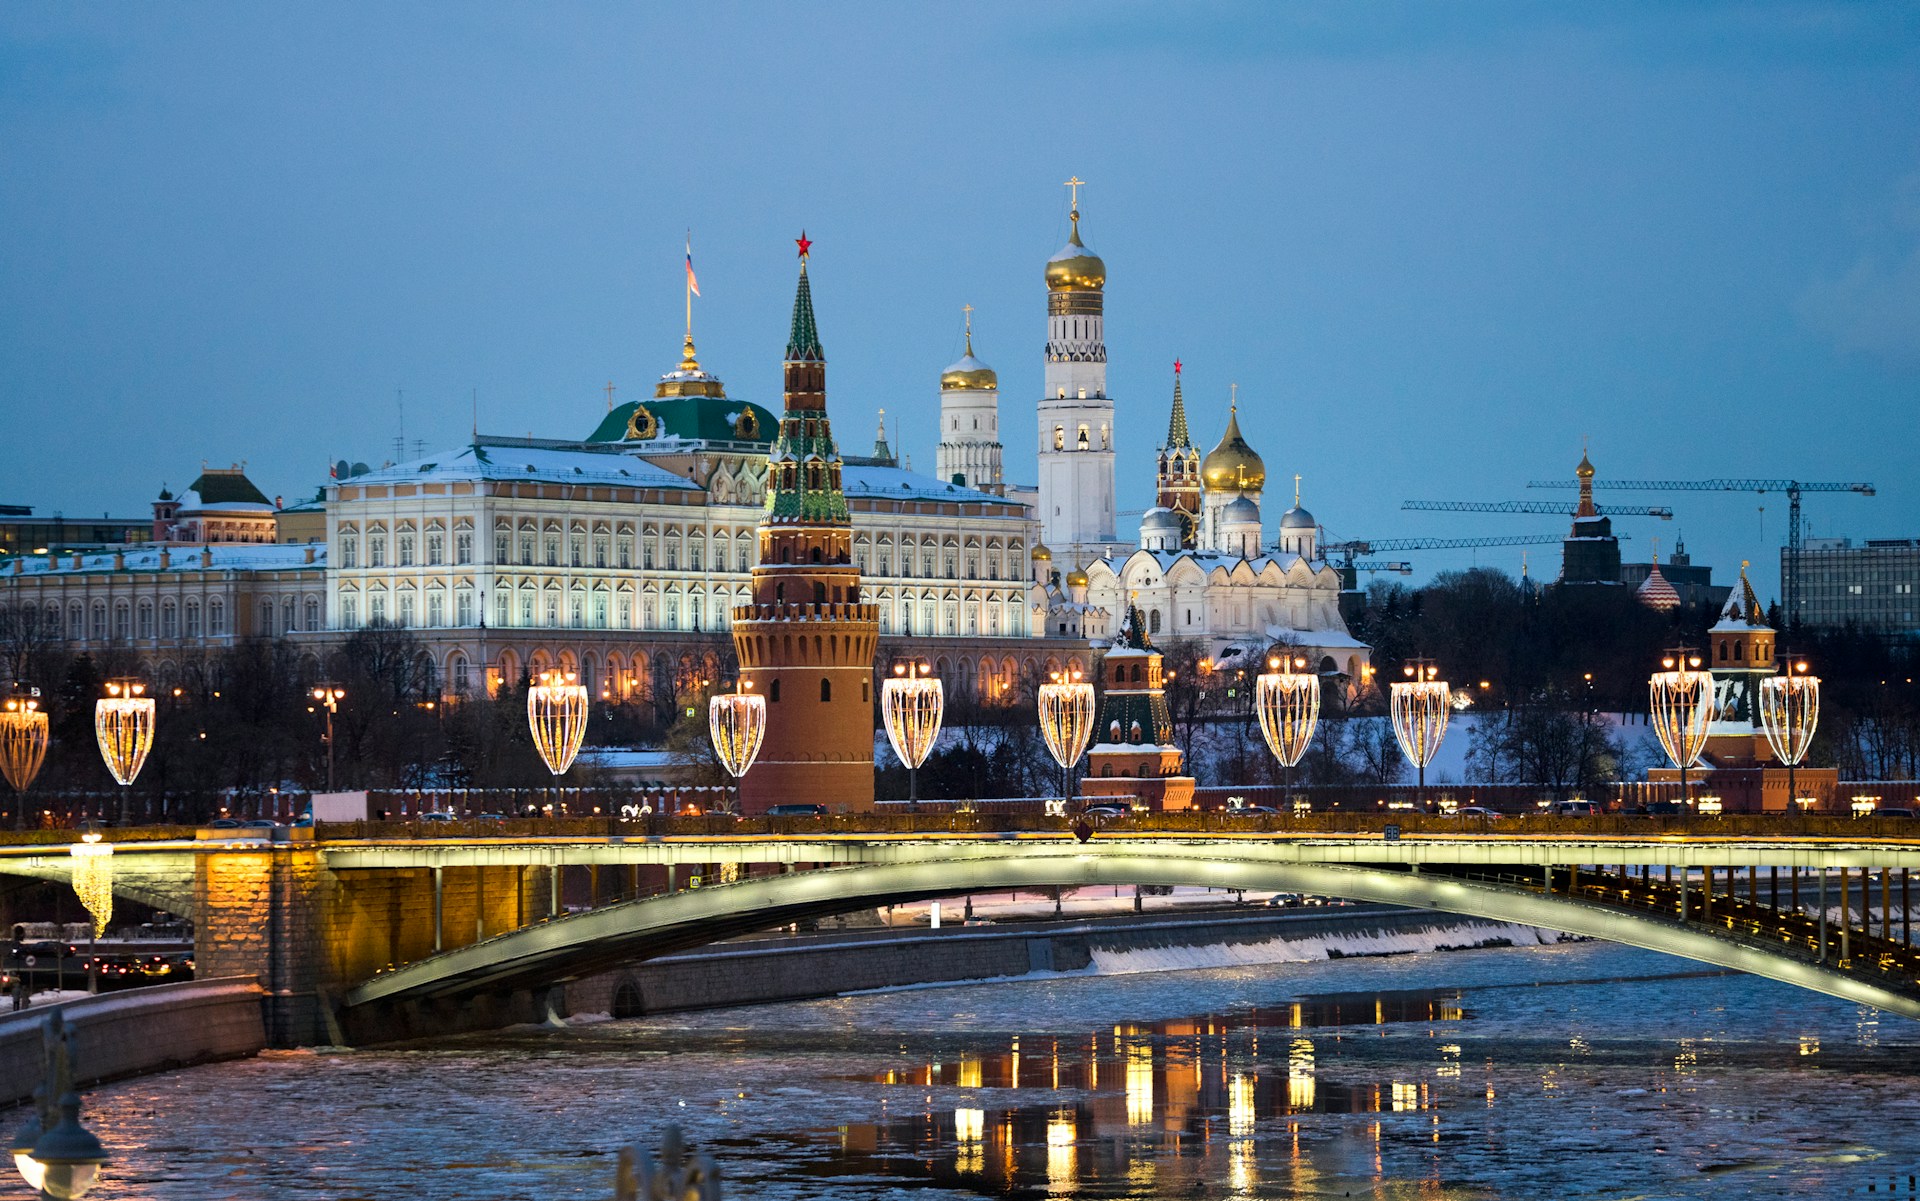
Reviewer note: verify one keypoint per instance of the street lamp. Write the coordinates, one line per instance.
(329, 695)
(1288, 702)
(1421, 704)
(1066, 720)
(912, 705)
(1681, 707)
(123, 726)
(57, 1156)
(23, 746)
(737, 721)
(1789, 712)
(557, 715)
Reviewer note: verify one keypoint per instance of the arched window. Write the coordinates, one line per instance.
(819, 593)
(773, 692)
(826, 691)
(1059, 437)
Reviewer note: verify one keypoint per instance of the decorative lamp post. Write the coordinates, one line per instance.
(328, 696)
(737, 721)
(57, 1156)
(557, 715)
(1066, 720)
(93, 878)
(1421, 704)
(23, 745)
(1681, 706)
(913, 703)
(1288, 702)
(1789, 712)
(123, 726)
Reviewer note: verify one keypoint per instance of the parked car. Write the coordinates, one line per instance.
(1479, 811)
(439, 817)
(1254, 809)
(1893, 813)
(260, 823)
(1105, 812)
(1574, 809)
(224, 823)
(796, 811)
(1661, 809)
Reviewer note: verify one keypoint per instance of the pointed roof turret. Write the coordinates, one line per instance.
(803, 342)
(1177, 436)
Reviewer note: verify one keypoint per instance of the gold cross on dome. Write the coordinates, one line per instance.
(1233, 397)
(1073, 187)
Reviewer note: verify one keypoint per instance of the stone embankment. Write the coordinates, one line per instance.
(135, 1032)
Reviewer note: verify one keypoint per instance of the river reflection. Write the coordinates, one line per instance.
(1145, 1109)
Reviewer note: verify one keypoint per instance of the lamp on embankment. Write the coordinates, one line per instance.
(737, 721)
(1789, 713)
(1066, 720)
(23, 745)
(557, 715)
(1288, 702)
(913, 704)
(123, 726)
(1421, 704)
(57, 1156)
(1681, 706)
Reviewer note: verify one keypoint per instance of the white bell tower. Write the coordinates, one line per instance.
(1076, 414)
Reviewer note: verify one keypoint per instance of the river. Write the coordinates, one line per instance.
(1565, 1071)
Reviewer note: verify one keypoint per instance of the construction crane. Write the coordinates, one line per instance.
(1396, 566)
(1793, 489)
(1371, 546)
(1531, 506)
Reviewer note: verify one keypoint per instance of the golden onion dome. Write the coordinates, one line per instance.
(1075, 268)
(969, 374)
(1233, 465)
(1077, 578)
(1041, 554)
(1585, 470)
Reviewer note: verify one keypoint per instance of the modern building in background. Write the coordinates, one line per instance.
(22, 533)
(1873, 586)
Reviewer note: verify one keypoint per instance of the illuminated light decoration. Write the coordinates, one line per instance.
(1711, 806)
(123, 726)
(1288, 704)
(737, 721)
(913, 704)
(1789, 713)
(557, 715)
(23, 740)
(93, 879)
(1421, 704)
(1681, 707)
(1863, 806)
(1066, 719)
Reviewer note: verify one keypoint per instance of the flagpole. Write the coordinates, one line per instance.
(689, 283)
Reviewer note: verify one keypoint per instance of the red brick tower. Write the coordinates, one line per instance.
(807, 641)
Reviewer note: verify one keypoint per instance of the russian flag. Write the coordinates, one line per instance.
(693, 284)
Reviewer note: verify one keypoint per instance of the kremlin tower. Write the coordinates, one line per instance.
(1177, 474)
(807, 641)
(1076, 415)
(1133, 754)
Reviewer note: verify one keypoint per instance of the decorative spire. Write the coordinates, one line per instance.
(1177, 436)
(803, 343)
(1073, 187)
(968, 310)
(1296, 489)
(1585, 471)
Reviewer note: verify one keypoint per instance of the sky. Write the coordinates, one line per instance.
(1436, 246)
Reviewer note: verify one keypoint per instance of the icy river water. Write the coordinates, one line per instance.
(1568, 1071)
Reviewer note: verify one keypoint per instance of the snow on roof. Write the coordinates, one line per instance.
(1316, 639)
(484, 461)
(271, 556)
(897, 483)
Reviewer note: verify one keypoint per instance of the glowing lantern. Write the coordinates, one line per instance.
(1681, 706)
(1066, 719)
(912, 705)
(1421, 704)
(1288, 703)
(123, 726)
(1789, 712)
(93, 879)
(23, 740)
(737, 721)
(557, 715)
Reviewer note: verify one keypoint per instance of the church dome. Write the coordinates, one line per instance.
(969, 375)
(1241, 511)
(1077, 578)
(1297, 518)
(1233, 465)
(1656, 593)
(1075, 268)
(1160, 518)
(1041, 554)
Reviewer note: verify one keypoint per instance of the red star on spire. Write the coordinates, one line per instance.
(1176, 366)
(804, 243)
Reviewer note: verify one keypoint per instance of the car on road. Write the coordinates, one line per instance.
(1574, 809)
(1892, 813)
(260, 823)
(439, 817)
(1479, 811)
(1105, 812)
(1660, 809)
(224, 823)
(1265, 809)
(796, 811)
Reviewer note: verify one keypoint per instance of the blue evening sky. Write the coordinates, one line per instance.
(1434, 244)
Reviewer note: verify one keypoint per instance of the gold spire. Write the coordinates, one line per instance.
(1585, 472)
(1075, 268)
(968, 310)
(688, 360)
(969, 374)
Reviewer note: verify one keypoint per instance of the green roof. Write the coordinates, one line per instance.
(226, 488)
(689, 418)
(803, 343)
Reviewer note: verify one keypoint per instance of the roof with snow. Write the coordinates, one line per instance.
(484, 460)
(240, 556)
(897, 483)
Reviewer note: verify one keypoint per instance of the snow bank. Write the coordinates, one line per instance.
(1441, 936)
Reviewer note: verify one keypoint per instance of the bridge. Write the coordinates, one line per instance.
(377, 932)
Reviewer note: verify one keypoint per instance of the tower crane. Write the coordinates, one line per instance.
(1793, 489)
(1531, 506)
(1350, 551)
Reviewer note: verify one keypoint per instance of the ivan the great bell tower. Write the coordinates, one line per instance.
(807, 641)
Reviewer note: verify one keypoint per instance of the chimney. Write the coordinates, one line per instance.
(309, 552)
(166, 558)
(79, 561)
(119, 560)
(206, 556)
